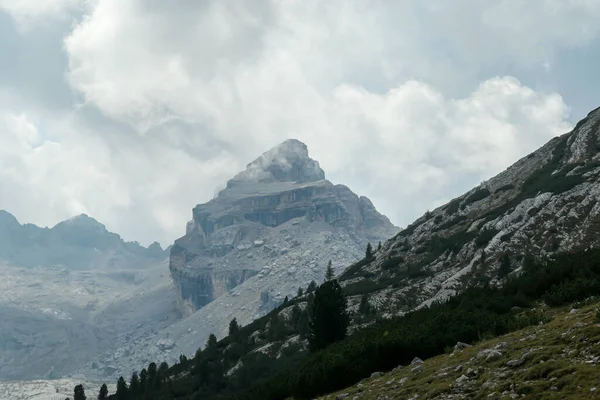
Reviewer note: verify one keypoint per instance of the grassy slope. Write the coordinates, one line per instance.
(562, 364)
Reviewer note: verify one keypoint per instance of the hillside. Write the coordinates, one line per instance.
(545, 203)
(557, 359)
(455, 274)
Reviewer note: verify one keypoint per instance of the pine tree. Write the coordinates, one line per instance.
(234, 329)
(211, 342)
(364, 307)
(329, 274)
(303, 324)
(300, 292)
(329, 318)
(286, 300)
(103, 394)
(152, 372)
(379, 246)
(143, 380)
(295, 318)
(505, 267)
(134, 385)
(182, 359)
(528, 262)
(163, 371)
(79, 393)
(312, 286)
(122, 390)
(276, 330)
(369, 251)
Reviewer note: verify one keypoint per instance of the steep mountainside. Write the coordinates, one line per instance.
(279, 221)
(545, 203)
(80, 242)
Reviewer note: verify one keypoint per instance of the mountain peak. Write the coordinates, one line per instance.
(287, 162)
(83, 221)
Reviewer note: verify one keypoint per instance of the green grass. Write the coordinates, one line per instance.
(548, 373)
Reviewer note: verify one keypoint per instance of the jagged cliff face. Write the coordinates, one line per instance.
(279, 208)
(545, 203)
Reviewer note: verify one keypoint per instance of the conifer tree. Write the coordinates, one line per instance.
(79, 393)
(300, 292)
(312, 286)
(303, 324)
(143, 380)
(364, 307)
(234, 329)
(329, 274)
(122, 389)
(329, 318)
(211, 342)
(163, 371)
(134, 385)
(379, 246)
(103, 394)
(152, 372)
(295, 318)
(505, 267)
(369, 251)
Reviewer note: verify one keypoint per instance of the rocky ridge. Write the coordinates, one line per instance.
(547, 202)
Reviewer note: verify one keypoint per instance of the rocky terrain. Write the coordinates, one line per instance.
(63, 306)
(547, 202)
(280, 204)
(47, 390)
(556, 360)
(272, 230)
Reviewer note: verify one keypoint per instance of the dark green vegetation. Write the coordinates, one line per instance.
(479, 312)
(329, 318)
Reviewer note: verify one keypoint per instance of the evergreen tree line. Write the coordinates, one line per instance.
(477, 313)
(335, 361)
(207, 370)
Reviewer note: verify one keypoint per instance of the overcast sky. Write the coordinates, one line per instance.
(133, 111)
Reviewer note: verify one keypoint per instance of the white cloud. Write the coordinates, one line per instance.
(387, 95)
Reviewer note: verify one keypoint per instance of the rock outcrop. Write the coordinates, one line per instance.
(279, 208)
(547, 202)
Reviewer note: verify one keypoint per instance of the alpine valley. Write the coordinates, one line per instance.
(499, 259)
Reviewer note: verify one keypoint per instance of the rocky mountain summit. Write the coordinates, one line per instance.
(276, 224)
(80, 242)
(273, 229)
(545, 203)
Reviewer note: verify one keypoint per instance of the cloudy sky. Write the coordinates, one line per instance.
(133, 111)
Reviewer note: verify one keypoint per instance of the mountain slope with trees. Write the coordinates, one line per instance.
(461, 273)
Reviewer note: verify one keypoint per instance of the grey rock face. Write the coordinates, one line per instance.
(237, 235)
(547, 202)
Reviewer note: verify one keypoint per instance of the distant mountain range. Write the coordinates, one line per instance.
(78, 243)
